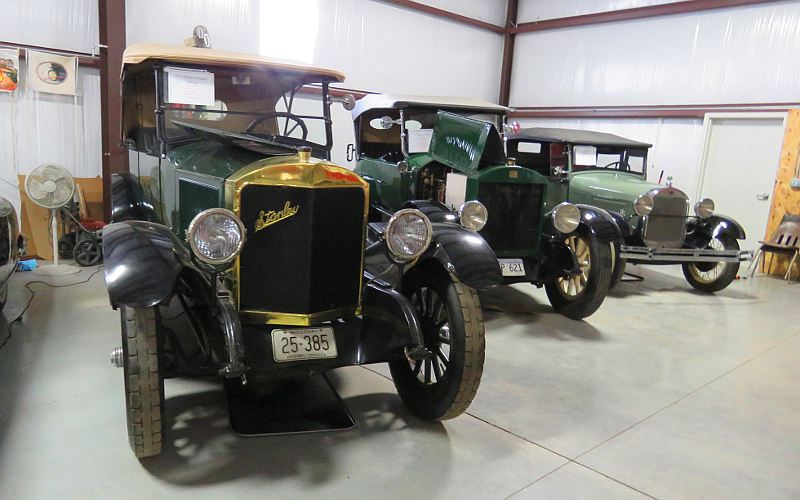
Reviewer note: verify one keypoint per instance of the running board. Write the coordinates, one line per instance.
(684, 254)
(286, 407)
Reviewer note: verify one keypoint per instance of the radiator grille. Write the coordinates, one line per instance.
(308, 262)
(665, 227)
(514, 214)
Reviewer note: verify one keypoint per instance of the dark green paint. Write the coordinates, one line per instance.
(459, 142)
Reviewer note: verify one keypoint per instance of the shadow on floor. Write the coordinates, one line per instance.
(507, 299)
(645, 282)
(201, 449)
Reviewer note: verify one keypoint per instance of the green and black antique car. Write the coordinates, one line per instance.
(237, 249)
(449, 151)
(611, 172)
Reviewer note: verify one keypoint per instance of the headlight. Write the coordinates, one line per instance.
(216, 236)
(704, 208)
(566, 217)
(473, 215)
(408, 234)
(643, 205)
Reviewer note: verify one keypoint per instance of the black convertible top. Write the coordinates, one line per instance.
(572, 136)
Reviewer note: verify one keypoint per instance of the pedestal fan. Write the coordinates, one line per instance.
(51, 187)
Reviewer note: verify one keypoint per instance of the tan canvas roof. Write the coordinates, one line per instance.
(136, 54)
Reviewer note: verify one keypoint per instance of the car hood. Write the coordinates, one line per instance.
(609, 190)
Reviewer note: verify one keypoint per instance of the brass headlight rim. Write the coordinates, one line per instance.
(218, 211)
(471, 203)
(393, 220)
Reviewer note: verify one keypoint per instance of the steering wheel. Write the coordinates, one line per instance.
(392, 157)
(624, 166)
(281, 114)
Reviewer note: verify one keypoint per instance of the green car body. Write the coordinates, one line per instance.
(448, 151)
(610, 172)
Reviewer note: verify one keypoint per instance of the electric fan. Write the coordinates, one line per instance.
(51, 187)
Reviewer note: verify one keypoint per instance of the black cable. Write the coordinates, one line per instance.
(18, 319)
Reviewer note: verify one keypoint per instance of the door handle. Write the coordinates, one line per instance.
(762, 197)
(351, 149)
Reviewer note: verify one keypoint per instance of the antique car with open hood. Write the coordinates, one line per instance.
(449, 152)
(611, 172)
(238, 249)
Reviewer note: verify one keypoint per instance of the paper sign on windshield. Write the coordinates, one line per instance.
(419, 140)
(187, 86)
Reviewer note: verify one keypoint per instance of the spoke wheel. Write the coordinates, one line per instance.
(580, 294)
(442, 386)
(713, 276)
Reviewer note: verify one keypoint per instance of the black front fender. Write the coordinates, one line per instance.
(435, 211)
(127, 200)
(465, 254)
(600, 223)
(142, 262)
(700, 231)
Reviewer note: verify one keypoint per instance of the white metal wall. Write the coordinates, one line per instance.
(42, 128)
(539, 10)
(737, 55)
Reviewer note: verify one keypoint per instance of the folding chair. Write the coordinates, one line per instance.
(784, 241)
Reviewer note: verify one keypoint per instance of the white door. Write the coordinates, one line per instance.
(740, 161)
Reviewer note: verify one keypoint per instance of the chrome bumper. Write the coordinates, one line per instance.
(684, 254)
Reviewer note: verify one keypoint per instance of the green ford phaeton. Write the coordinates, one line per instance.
(447, 155)
(611, 172)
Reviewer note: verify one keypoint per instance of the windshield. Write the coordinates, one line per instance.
(621, 159)
(267, 104)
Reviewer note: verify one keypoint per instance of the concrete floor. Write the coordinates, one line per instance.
(664, 392)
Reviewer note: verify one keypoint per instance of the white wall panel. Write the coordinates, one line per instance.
(62, 24)
(233, 24)
(738, 55)
(678, 144)
(538, 10)
(389, 49)
(48, 128)
(490, 11)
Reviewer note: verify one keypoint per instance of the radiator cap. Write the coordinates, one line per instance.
(304, 152)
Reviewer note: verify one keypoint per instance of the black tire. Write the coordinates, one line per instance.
(594, 279)
(87, 253)
(144, 384)
(449, 312)
(713, 276)
(619, 266)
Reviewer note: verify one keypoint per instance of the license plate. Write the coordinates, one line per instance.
(303, 343)
(512, 267)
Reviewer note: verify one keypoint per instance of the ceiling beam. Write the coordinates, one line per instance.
(112, 44)
(666, 9)
(697, 111)
(508, 52)
(445, 14)
(84, 59)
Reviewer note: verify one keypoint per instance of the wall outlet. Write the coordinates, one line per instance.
(795, 183)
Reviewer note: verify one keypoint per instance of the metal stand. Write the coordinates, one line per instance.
(286, 407)
(633, 278)
(56, 269)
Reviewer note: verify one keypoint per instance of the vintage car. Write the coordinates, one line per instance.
(12, 244)
(449, 151)
(611, 172)
(237, 249)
